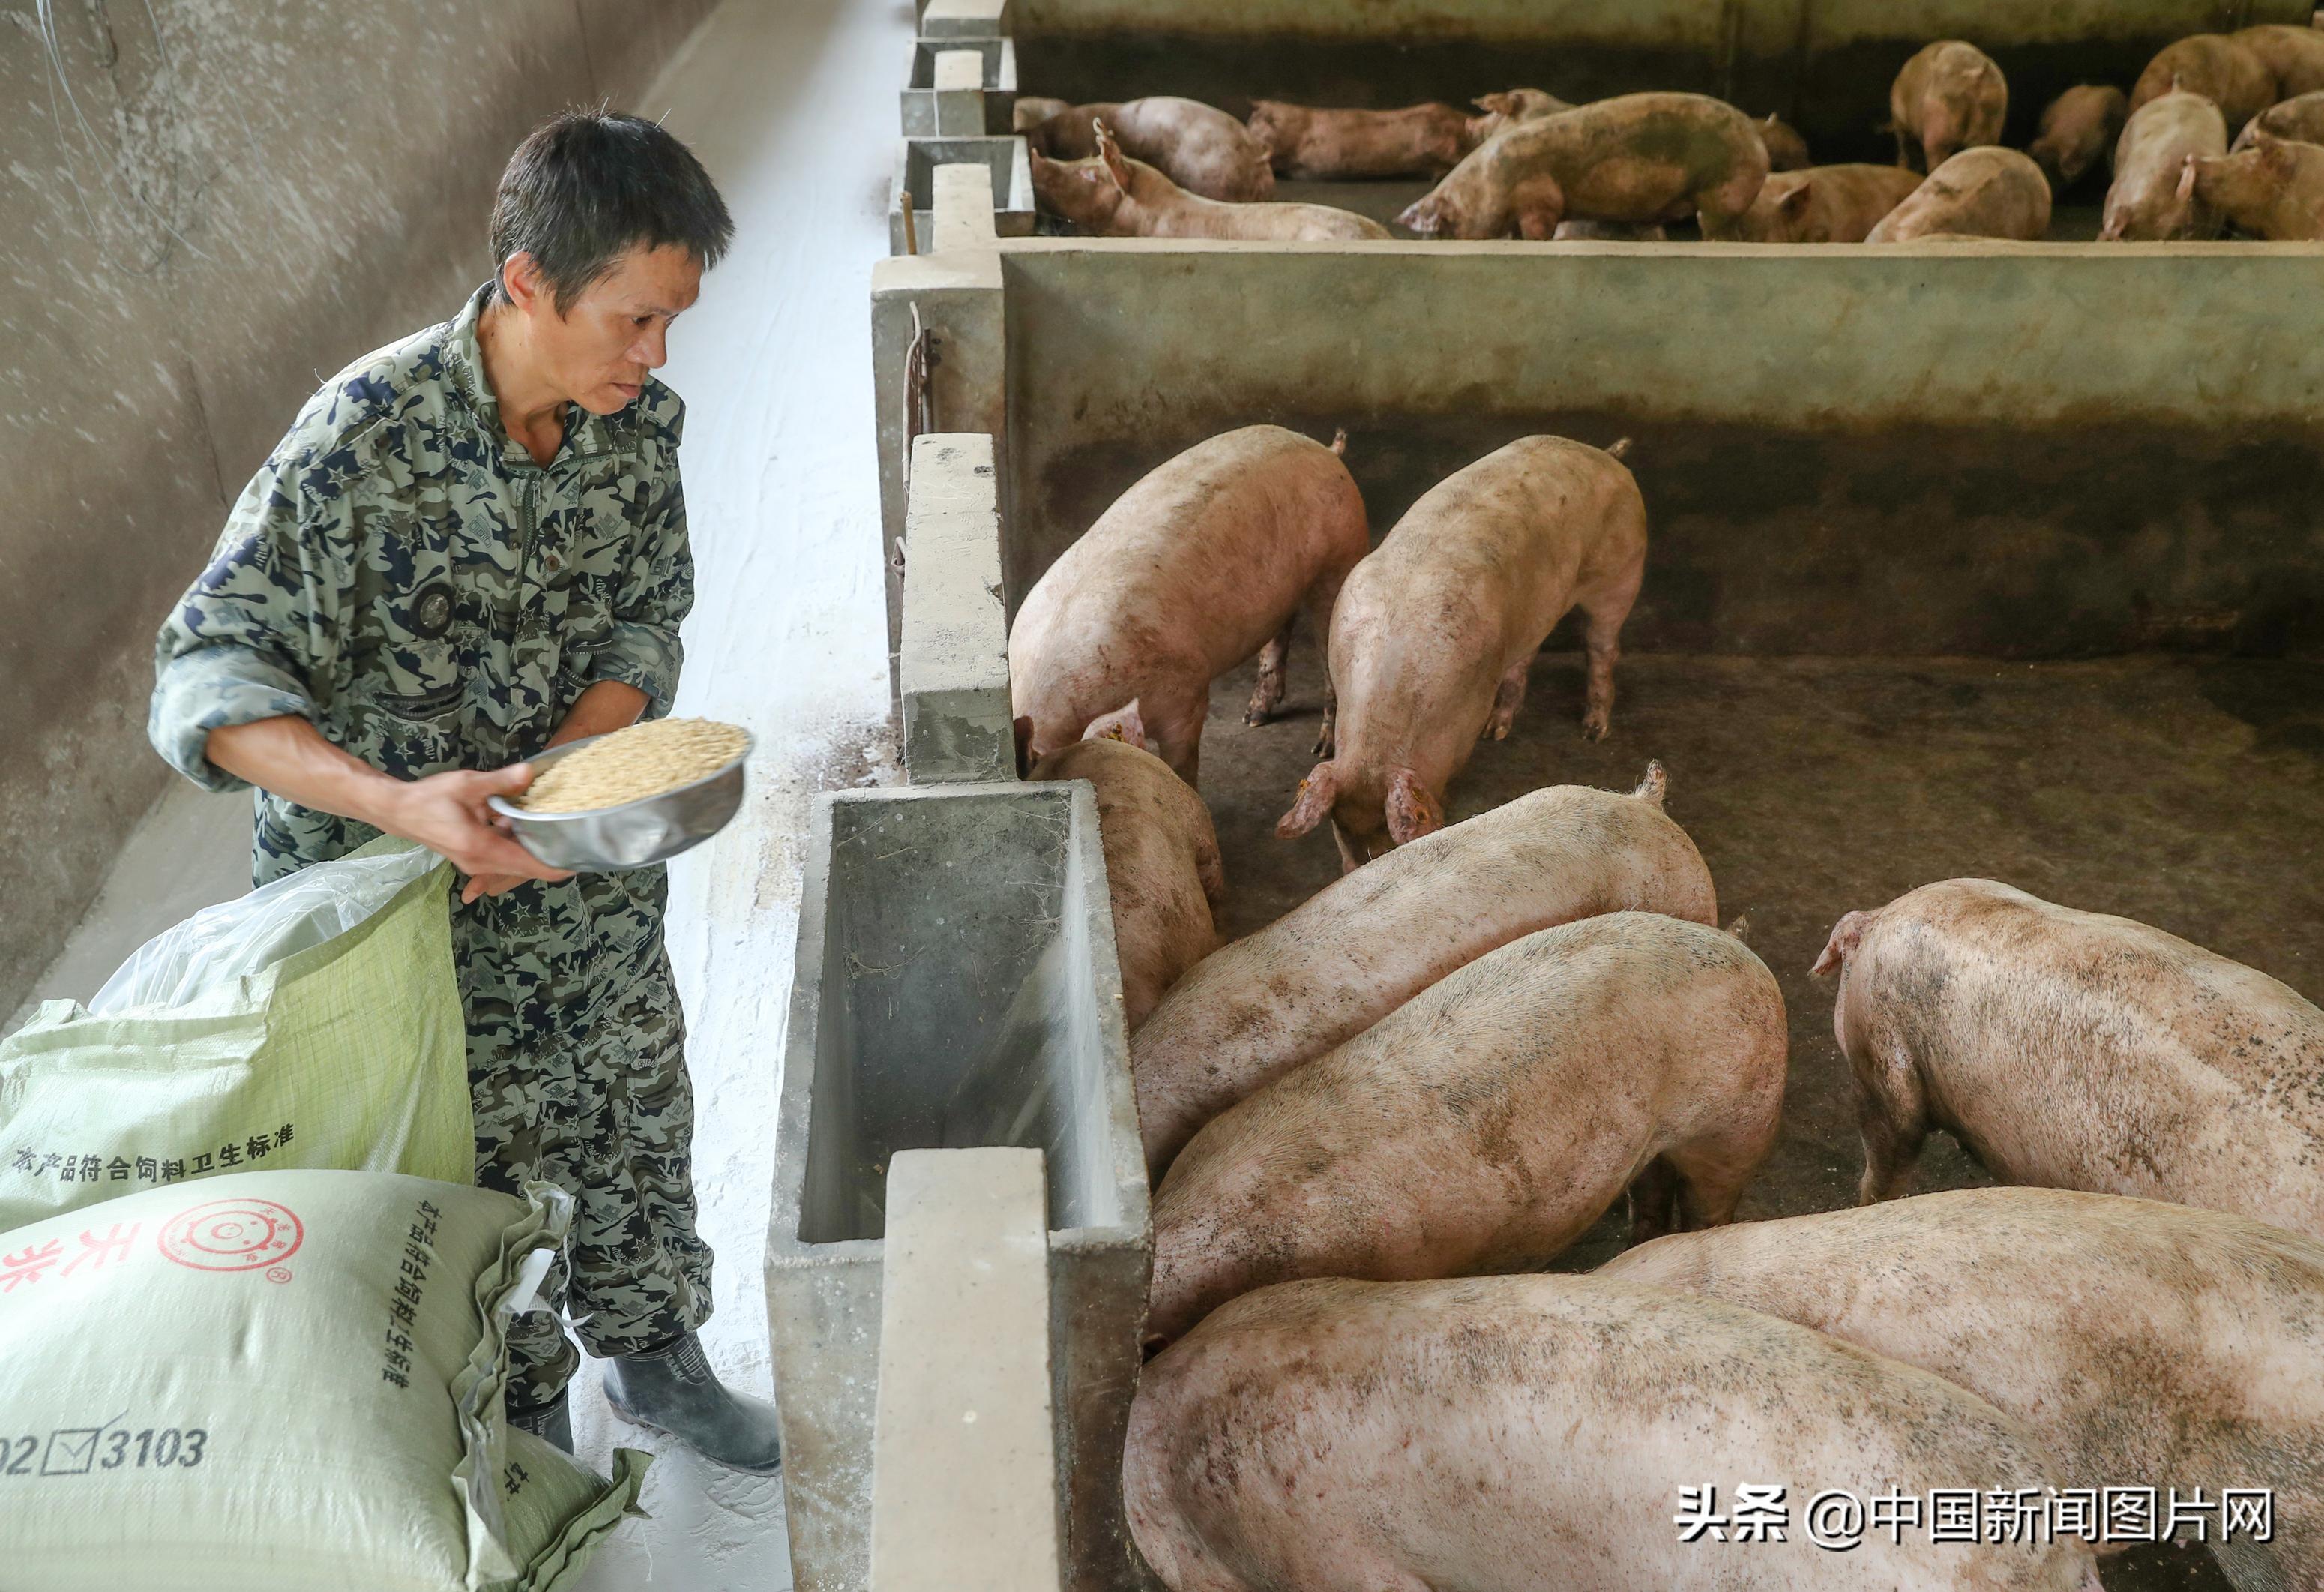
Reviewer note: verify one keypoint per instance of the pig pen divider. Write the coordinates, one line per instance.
(956, 987)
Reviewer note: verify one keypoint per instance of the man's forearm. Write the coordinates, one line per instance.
(607, 705)
(289, 757)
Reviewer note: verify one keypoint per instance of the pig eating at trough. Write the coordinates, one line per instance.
(1823, 204)
(2271, 188)
(2071, 1050)
(1368, 942)
(2301, 120)
(1983, 193)
(1203, 563)
(1488, 1122)
(1949, 97)
(1435, 631)
(1638, 157)
(2077, 127)
(1306, 142)
(2144, 1345)
(1197, 146)
(2224, 70)
(1526, 1434)
(2150, 200)
(1162, 866)
(1109, 195)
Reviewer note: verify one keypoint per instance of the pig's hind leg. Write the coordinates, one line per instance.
(1274, 675)
(1606, 609)
(1892, 1116)
(1174, 722)
(1509, 697)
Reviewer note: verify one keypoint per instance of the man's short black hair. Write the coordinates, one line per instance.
(587, 185)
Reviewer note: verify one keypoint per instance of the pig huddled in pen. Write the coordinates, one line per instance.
(1198, 147)
(2072, 1050)
(1109, 195)
(2271, 188)
(2144, 1345)
(1489, 1121)
(1202, 564)
(2223, 69)
(1987, 192)
(1820, 205)
(1434, 631)
(2077, 130)
(2150, 200)
(1372, 939)
(2300, 119)
(1162, 868)
(1511, 1434)
(1949, 97)
(1639, 158)
(1312, 143)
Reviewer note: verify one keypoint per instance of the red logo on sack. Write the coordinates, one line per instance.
(233, 1235)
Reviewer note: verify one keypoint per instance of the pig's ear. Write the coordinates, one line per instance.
(1412, 811)
(1110, 152)
(1494, 105)
(1023, 727)
(1845, 936)
(1317, 791)
(1795, 204)
(1124, 724)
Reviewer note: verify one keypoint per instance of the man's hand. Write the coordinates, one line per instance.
(446, 813)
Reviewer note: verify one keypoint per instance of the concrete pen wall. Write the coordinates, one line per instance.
(206, 207)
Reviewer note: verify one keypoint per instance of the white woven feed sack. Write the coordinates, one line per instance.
(284, 1381)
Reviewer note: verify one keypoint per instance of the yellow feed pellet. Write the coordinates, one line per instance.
(633, 764)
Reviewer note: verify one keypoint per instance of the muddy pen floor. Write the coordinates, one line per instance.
(2178, 791)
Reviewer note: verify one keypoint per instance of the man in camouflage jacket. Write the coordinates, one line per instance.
(472, 545)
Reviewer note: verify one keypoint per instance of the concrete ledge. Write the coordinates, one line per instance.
(954, 300)
(964, 1479)
(953, 669)
(965, 19)
(913, 189)
(960, 107)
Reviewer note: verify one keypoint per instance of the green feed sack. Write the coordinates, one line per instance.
(351, 1053)
(284, 1381)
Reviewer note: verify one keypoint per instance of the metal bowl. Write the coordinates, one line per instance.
(651, 830)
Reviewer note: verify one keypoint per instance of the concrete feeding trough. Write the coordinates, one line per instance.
(956, 987)
(960, 89)
(914, 187)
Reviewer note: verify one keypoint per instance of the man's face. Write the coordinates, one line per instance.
(598, 350)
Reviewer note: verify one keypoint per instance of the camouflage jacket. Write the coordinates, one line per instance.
(403, 574)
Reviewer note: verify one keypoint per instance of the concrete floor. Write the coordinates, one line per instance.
(2181, 791)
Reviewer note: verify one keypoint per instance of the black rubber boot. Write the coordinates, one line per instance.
(551, 1424)
(674, 1390)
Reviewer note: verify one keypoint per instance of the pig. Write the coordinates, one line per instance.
(1949, 97)
(2273, 189)
(1488, 1122)
(1199, 148)
(1496, 111)
(1606, 232)
(2293, 56)
(1204, 562)
(2144, 1345)
(2300, 120)
(1425, 140)
(1823, 204)
(1787, 150)
(1162, 860)
(1110, 196)
(1636, 157)
(2145, 202)
(2070, 1049)
(1031, 112)
(1983, 193)
(1513, 1434)
(1366, 944)
(1435, 632)
(2077, 127)
(2223, 70)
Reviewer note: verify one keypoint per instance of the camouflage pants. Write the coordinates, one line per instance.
(581, 1081)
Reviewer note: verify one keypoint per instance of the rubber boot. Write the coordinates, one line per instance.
(551, 1424)
(674, 1390)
